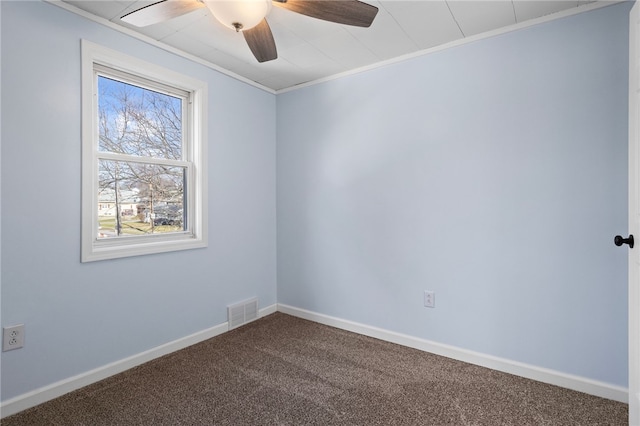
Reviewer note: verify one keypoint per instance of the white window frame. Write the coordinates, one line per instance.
(195, 235)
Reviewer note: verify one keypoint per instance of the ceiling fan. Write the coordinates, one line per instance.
(249, 16)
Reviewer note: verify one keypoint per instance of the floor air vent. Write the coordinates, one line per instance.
(242, 313)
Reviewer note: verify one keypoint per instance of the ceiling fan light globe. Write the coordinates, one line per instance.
(244, 13)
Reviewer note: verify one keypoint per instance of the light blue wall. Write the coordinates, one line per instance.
(493, 173)
(82, 316)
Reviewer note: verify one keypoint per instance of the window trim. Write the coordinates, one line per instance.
(93, 249)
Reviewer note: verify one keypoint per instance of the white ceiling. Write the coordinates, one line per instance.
(310, 49)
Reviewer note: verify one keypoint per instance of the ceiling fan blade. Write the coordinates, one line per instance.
(261, 42)
(160, 12)
(348, 12)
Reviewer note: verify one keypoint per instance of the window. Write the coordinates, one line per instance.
(143, 160)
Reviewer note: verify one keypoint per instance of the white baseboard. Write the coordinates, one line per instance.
(47, 393)
(578, 383)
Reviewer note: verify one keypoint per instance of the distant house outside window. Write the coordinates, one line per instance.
(143, 157)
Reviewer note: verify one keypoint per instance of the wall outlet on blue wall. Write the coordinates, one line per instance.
(429, 299)
(12, 337)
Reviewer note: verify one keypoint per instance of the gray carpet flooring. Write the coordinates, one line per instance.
(282, 370)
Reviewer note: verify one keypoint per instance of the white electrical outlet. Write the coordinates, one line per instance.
(12, 337)
(429, 299)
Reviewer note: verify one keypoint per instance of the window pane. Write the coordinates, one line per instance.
(137, 121)
(140, 199)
